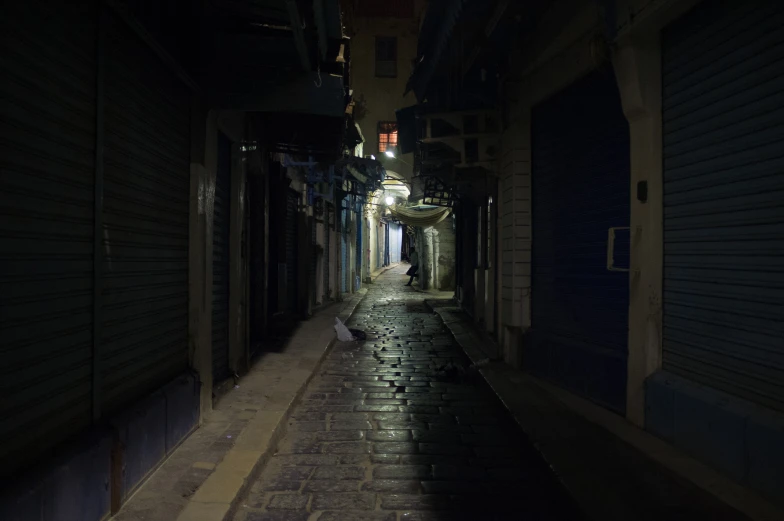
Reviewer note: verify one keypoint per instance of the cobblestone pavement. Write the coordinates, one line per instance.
(386, 433)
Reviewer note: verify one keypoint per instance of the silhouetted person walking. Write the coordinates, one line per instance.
(414, 267)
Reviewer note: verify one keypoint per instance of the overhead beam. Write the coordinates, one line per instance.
(299, 34)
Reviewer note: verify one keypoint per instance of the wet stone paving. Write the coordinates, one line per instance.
(397, 428)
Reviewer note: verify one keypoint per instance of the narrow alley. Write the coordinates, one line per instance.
(557, 225)
(389, 427)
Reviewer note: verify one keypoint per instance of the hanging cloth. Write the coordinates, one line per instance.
(423, 218)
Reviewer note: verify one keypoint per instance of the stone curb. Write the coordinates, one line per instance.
(499, 377)
(218, 497)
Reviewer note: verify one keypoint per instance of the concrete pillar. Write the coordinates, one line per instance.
(427, 276)
(637, 62)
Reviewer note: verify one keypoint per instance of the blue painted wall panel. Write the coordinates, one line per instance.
(74, 487)
(765, 445)
(182, 409)
(733, 435)
(709, 431)
(142, 434)
(79, 490)
(660, 407)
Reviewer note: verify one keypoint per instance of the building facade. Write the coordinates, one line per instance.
(638, 215)
(163, 216)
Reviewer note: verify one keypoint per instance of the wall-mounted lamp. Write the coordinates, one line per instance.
(390, 201)
(389, 153)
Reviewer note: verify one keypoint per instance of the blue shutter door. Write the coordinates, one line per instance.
(723, 110)
(580, 189)
(343, 250)
(327, 213)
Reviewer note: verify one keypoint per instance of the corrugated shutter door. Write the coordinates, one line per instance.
(343, 251)
(723, 192)
(146, 207)
(291, 251)
(221, 239)
(313, 263)
(327, 212)
(47, 171)
(580, 184)
(395, 239)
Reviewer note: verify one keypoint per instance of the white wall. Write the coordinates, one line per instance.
(382, 95)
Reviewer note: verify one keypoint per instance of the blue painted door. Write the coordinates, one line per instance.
(580, 189)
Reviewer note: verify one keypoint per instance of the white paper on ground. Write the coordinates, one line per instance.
(344, 335)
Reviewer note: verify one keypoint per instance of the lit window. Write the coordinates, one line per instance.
(387, 136)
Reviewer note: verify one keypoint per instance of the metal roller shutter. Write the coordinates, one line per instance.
(221, 242)
(47, 172)
(343, 250)
(144, 328)
(327, 214)
(292, 200)
(723, 190)
(395, 240)
(313, 262)
(580, 189)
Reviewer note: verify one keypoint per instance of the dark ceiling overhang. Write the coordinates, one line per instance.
(306, 93)
(277, 55)
(303, 134)
(439, 21)
(487, 29)
(407, 129)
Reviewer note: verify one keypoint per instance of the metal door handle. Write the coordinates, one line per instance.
(611, 248)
